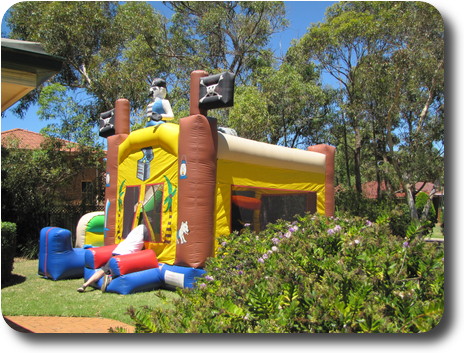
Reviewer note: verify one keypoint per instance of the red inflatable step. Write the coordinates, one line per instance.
(139, 261)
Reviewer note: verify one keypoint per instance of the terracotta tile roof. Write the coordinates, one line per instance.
(427, 188)
(26, 139)
(369, 189)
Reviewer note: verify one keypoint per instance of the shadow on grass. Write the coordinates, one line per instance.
(13, 280)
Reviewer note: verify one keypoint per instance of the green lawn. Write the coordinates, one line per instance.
(29, 294)
(437, 232)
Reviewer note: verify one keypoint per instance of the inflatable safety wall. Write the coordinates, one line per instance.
(90, 230)
(258, 184)
(57, 258)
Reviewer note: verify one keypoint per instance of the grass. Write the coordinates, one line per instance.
(31, 295)
(437, 232)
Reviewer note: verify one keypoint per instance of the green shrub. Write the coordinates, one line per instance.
(399, 219)
(421, 201)
(351, 203)
(313, 275)
(8, 249)
(429, 220)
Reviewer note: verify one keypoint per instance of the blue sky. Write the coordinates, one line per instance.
(300, 14)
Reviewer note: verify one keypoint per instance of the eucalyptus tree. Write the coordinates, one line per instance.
(339, 45)
(114, 50)
(281, 106)
(403, 97)
(229, 35)
(109, 50)
(389, 60)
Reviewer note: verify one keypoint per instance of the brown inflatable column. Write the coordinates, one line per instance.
(195, 77)
(122, 129)
(329, 152)
(197, 190)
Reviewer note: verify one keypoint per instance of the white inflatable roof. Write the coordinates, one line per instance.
(242, 150)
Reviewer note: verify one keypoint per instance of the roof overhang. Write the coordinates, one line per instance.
(25, 65)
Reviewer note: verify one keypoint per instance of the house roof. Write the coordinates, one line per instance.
(25, 139)
(427, 188)
(25, 65)
(31, 57)
(369, 189)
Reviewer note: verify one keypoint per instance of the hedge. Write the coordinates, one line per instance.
(8, 249)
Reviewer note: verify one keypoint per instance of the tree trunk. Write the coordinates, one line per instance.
(357, 160)
(411, 202)
(426, 210)
(347, 158)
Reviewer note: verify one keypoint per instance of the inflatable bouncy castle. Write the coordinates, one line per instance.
(192, 185)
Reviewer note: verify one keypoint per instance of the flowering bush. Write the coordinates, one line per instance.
(316, 274)
(350, 202)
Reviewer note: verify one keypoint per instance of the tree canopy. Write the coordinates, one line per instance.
(389, 60)
(386, 116)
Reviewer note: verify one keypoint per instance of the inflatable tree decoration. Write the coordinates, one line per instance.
(171, 193)
(168, 202)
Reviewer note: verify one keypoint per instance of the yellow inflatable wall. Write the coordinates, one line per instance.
(147, 187)
(276, 178)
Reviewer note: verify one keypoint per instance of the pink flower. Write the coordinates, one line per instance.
(293, 229)
(334, 230)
